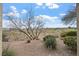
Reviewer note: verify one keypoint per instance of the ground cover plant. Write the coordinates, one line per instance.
(6, 52)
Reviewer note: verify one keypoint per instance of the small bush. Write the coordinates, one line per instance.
(6, 52)
(50, 41)
(44, 39)
(4, 39)
(71, 42)
(28, 41)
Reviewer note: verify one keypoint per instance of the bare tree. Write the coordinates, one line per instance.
(30, 26)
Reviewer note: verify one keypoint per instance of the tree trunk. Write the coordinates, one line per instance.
(0, 29)
(78, 29)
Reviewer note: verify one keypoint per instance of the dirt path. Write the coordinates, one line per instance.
(36, 48)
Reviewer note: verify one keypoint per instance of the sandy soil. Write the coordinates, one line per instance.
(36, 48)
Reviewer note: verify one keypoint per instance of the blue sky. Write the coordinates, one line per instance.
(52, 13)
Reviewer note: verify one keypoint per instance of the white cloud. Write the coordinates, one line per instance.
(17, 14)
(55, 6)
(52, 5)
(49, 17)
(50, 21)
(5, 23)
(46, 18)
(39, 4)
(10, 14)
(49, 5)
(62, 14)
(24, 11)
(13, 13)
(13, 8)
(74, 5)
(3, 15)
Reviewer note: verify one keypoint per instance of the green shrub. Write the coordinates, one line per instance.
(70, 39)
(71, 42)
(7, 52)
(50, 41)
(69, 33)
(72, 33)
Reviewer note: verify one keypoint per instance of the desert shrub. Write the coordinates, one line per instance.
(36, 38)
(56, 36)
(71, 42)
(28, 41)
(70, 39)
(7, 52)
(69, 33)
(50, 41)
(63, 34)
(47, 37)
(44, 39)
